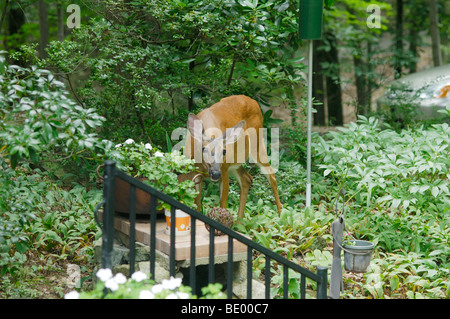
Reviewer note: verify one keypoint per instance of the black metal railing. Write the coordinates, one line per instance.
(111, 173)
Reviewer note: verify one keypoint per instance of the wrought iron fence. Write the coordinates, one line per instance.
(111, 174)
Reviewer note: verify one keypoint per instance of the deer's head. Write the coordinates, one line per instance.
(213, 142)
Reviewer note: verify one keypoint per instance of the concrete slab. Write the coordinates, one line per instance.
(183, 243)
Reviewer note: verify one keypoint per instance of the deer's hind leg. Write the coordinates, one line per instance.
(245, 180)
(259, 156)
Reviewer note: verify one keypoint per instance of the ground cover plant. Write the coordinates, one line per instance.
(397, 187)
(404, 174)
(44, 227)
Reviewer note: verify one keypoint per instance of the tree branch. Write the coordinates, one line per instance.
(230, 77)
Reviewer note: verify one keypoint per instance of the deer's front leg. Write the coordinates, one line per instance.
(224, 188)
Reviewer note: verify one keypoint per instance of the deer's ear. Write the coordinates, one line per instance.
(233, 134)
(195, 127)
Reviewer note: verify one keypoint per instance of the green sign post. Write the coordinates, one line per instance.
(310, 28)
(310, 19)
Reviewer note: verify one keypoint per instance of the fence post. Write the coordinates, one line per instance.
(108, 214)
(323, 284)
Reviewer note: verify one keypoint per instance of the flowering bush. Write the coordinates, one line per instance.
(161, 169)
(139, 286)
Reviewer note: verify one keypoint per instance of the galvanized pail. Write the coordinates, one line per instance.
(357, 255)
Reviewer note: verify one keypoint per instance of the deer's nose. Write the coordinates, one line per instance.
(215, 175)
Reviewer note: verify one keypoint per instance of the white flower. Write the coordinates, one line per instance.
(120, 278)
(146, 294)
(118, 145)
(139, 276)
(183, 295)
(112, 284)
(72, 295)
(172, 283)
(157, 289)
(148, 146)
(171, 296)
(129, 141)
(104, 274)
(177, 160)
(159, 154)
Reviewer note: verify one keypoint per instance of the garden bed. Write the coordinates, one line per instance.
(410, 228)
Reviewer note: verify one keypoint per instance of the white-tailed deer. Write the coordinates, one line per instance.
(222, 137)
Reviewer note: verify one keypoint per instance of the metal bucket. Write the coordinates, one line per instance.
(357, 256)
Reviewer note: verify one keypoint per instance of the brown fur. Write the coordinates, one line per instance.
(229, 113)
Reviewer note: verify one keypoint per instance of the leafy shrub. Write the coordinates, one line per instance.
(159, 170)
(40, 120)
(398, 197)
(446, 111)
(153, 56)
(408, 170)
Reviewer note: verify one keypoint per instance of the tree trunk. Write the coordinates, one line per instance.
(16, 19)
(318, 84)
(60, 21)
(326, 84)
(334, 91)
(5, 9)
(434, 31)
(415, 19)
(413, 49)
(399, 39)
(361, 85)
(43, 28)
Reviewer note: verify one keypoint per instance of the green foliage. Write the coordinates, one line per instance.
(400, 180)
(160, 170)
(147, 57)
(398, 197)
(294, 135)
(408, 169)
(289, 235)
(37, 214)
(400, 107)
(411, 275)
(39, 120)
(213, 291)
(446, 111)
